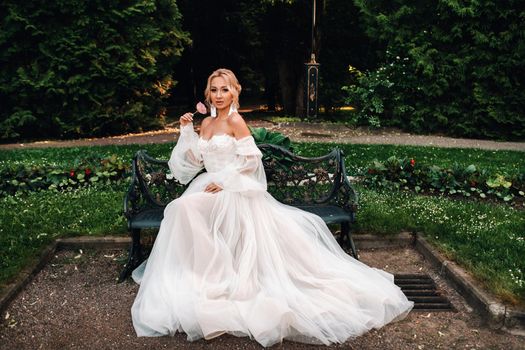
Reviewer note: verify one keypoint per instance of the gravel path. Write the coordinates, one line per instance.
(296, 132)
(75, 303)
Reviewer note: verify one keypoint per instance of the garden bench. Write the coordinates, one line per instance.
(318, 185)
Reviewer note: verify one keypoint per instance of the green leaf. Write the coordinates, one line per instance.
(471, 169)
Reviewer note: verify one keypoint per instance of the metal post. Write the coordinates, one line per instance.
(312, 77)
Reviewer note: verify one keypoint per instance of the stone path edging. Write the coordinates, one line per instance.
(26, 276)
(499, 316)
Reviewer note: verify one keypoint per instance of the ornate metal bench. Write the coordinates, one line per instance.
(318, 185)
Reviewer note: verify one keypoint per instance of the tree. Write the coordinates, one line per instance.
(453, 67)
(73, 68)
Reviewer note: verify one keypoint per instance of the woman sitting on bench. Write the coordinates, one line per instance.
(229, 258)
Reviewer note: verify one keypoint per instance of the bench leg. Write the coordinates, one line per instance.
(346, 238)
(134, 255)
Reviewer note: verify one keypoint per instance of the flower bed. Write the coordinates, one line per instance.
(23, 178)
(469, 181)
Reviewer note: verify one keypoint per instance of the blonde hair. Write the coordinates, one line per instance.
(231, 80)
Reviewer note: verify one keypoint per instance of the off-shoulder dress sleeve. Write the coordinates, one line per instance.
(186, 160)
(246, 173)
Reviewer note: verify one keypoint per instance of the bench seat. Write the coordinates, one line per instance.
(331, 214)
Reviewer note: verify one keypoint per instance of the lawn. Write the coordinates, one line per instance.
(357, 156)
(486, 238)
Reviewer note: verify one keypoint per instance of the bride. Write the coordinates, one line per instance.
(229, 258)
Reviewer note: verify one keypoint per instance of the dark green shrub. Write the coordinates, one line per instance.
(72, 68)
(456, 68)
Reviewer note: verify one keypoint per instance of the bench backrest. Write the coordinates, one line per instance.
(297, 180)
(291, 179)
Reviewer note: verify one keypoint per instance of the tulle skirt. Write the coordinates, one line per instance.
(248, 265)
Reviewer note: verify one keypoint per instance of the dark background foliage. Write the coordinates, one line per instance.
(83, 68)
(456, 67)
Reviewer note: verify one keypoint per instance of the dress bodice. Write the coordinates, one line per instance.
(217, 152)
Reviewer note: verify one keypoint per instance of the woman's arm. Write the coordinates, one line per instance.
(186, 161)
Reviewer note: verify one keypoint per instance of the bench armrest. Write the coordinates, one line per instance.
(131, 199)
(349, 197)
(152, 185)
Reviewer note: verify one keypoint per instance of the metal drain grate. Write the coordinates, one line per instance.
(421, 289)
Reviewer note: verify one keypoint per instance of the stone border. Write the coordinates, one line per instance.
(498, 315)
(368, 241)
(25, 276)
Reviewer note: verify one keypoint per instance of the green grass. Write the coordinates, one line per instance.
(488, 239)
(67, 156)
(29, 222)
(357, 156)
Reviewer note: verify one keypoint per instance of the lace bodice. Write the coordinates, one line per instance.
(217, 152)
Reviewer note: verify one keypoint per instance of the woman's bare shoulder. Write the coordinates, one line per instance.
(206, 121)
(238, 125)
(236, 119)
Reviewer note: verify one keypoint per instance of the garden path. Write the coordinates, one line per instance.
(75, 303)
(311, 132)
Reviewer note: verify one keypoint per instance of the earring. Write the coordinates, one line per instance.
(213, 111)
(233, 109)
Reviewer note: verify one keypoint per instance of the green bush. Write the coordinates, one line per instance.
(451, 67)
(75, 68)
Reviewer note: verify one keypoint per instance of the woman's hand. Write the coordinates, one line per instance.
(213, 188)
(186, 119)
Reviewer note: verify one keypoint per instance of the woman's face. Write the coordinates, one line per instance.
(220, 94)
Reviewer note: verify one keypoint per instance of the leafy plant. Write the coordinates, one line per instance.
(23, 178)
(263, 135)
(466, 181)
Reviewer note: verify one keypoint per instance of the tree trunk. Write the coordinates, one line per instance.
(287, 85)
(299, 97)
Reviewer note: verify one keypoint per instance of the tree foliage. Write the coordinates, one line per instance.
(79, 67)
(449, 66)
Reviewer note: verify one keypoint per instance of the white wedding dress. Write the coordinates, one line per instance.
(240, 262)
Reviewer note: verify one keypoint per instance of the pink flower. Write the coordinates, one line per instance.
(201, 108)
(71, 173)
(412, 162)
